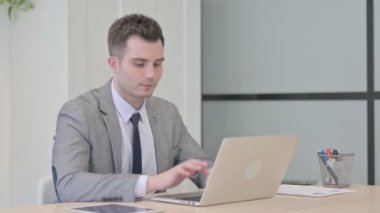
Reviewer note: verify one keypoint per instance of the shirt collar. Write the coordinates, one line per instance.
(124, 109)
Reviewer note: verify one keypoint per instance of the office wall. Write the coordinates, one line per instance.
(377, 44)
(88, 26)
(5, 52)
(275, 46)
(282, 49)
(181, 81)
(38, 85)
(377, 87)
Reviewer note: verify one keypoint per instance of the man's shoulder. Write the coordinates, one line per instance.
(157, 102)
(87, 100)
(162, 109)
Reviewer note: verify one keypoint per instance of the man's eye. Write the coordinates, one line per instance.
(139, 64)
(157, 64)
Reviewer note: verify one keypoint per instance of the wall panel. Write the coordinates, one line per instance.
(39, 87)
(5, 33)
(276, 46)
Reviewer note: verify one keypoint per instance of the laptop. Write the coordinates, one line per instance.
(245, 168)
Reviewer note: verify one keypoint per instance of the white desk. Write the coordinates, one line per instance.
(364, 199)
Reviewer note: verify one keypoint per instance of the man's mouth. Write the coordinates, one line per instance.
(147, 86)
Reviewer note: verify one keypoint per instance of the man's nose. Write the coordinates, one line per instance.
(150, 72)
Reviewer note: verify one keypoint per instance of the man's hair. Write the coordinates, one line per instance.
(129, 25)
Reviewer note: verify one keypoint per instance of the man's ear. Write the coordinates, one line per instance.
(113, 62)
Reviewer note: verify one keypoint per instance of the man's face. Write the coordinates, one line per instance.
(138, 73)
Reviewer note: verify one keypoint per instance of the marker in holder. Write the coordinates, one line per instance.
(336, 170)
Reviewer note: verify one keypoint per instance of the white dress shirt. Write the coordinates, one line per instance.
(148, 154)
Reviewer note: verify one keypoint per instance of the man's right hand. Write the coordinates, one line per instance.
(175, 175)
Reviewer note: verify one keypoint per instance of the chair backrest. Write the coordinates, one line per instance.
(45, 191)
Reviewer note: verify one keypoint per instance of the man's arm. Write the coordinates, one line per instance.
(74, 161)
(190, 149)
(176, 175)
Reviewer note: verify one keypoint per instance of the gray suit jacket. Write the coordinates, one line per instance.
(88, 142)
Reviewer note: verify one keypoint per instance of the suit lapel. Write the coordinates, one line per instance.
(112, 124)
(159, 138)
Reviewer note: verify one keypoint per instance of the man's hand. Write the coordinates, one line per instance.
(175, 175)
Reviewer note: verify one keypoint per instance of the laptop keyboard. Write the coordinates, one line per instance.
(190, 196)
(195, 198)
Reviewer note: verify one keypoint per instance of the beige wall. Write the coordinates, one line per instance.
(38, 85)
(4, 106)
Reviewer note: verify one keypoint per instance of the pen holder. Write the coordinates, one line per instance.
(336, 170)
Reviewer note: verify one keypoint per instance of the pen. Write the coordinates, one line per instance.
(328, 167)
(323, 155)
(328, 152)
(335, 152)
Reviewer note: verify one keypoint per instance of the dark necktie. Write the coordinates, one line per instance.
(136, 146)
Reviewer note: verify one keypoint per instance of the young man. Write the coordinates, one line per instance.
(117, 143)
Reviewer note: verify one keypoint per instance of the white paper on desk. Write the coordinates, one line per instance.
(310, 191)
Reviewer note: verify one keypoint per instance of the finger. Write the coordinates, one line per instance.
(199, 163)
(194, 168)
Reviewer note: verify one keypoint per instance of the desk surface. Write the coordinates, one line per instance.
(364, 199)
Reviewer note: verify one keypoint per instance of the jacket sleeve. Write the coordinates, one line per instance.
(73, 178)
(188, 148)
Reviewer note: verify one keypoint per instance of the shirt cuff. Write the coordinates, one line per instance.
(140, 188)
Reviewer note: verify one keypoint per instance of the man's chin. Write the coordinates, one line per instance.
(146, 94)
